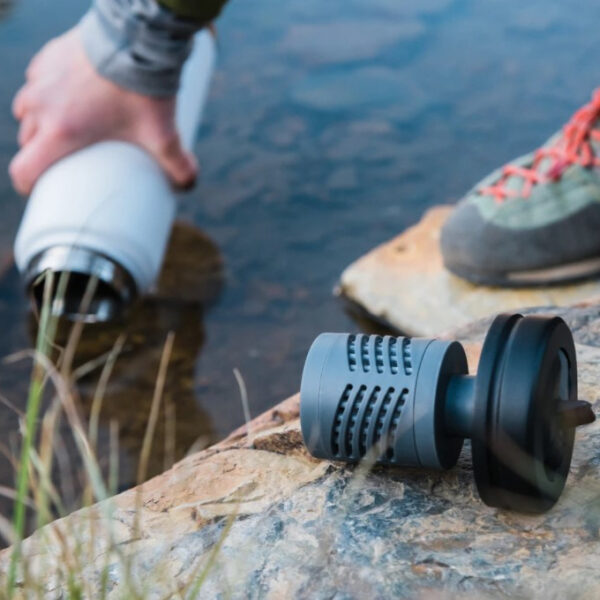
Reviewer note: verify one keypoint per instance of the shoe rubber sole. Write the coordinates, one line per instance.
(558, 275)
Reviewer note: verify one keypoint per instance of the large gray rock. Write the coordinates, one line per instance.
(256, 517)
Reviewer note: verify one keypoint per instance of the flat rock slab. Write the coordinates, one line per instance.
(403, 283)
(256, 517)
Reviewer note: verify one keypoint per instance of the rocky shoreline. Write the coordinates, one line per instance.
(256, 516)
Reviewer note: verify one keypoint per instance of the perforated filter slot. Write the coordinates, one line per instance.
(351, 350)
(394, 424)
(336, 434)
(407, 355)
(387, 400)
(379, 354)
(350, 429)
(364, 353)
(393, 355)
(364, 426)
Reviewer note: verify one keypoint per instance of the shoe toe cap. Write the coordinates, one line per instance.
(465, 241)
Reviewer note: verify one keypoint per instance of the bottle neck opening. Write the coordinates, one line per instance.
(80, 285)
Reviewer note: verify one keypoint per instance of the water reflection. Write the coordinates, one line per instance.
(190, 282)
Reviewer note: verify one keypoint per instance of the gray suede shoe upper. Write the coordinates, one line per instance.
(540, 212)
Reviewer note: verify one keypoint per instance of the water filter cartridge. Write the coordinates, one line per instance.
(106, 211)
(411, 403)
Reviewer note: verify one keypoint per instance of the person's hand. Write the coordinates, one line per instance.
(65, 105)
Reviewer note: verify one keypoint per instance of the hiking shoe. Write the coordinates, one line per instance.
(537, 220)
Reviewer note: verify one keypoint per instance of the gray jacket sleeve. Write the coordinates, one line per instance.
(138, 44)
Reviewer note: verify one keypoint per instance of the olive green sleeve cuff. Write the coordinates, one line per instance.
(200, 11)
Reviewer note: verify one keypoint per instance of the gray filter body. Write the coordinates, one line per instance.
(382, 396)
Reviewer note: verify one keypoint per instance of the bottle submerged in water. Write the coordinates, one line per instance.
(105, 213)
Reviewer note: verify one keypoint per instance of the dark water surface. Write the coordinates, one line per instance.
(331, 127)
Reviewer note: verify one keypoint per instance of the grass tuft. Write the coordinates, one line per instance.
(88, 547)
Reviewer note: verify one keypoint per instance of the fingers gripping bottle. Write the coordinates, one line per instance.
(106, 211)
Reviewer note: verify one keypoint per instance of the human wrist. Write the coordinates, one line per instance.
(140, 46)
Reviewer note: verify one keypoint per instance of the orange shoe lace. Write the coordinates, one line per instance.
(573, 147)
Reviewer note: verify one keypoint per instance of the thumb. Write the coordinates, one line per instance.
(179, 165)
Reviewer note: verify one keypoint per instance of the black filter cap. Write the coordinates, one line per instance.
(526, 412)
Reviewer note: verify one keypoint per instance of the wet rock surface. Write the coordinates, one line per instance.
(404, 284)
(256, 517)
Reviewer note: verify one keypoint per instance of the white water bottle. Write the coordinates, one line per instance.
(107, 210)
